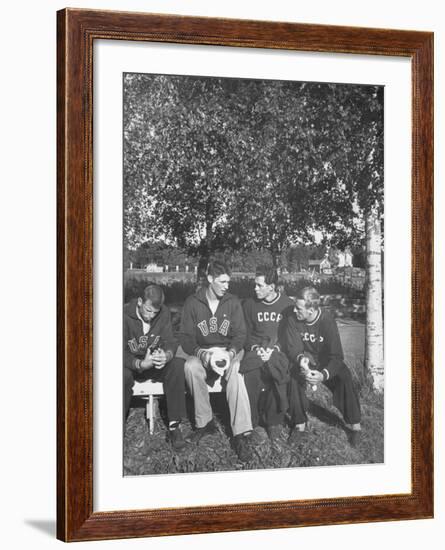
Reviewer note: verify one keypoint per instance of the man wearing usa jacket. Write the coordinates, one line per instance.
(149, 353)
(212, 337)
(313, 346)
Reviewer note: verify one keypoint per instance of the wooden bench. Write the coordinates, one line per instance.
(148, 389)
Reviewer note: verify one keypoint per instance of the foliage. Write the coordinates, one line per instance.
(215, 164)
(358, 161)
(178, 162)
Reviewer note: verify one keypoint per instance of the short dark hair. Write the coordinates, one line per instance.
(155, 294)
(216, 268)
(310, 296)
(269, 273)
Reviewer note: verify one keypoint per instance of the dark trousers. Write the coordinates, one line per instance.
(263, 397)
(172, 376)
(345, 397)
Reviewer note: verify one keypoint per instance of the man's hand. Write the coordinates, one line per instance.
(305, 362)
(313, 376)
(147, 362)
(159, 359)
(265, 354)
(304, 365)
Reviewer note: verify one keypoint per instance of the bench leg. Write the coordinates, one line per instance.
(150, 414)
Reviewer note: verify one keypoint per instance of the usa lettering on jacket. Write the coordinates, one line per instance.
(265, 316)
(310, 337)
(212, 327)
(141, 343)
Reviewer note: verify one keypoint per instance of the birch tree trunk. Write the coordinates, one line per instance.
(374, 307)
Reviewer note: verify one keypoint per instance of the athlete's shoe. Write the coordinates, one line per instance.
(241, 444)
(258, 436)
(295, 436)
(176, 439)
(209, 429)
(354, 438)
(274, 433)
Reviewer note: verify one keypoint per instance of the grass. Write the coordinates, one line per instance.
(324, 444)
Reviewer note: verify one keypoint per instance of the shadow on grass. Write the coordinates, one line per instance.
(326, 416)
(218, 403)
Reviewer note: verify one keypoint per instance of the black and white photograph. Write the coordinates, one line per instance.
(253, 274)
(164, 155)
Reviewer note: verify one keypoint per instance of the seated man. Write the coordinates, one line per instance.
(264, 366)
(212, 338)
(314, 349)
(149, 353)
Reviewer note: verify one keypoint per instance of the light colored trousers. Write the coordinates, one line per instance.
(236, 393)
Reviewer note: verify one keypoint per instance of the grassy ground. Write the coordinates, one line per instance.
(325, 442)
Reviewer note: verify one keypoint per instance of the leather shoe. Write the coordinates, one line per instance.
(242, 447)
(209, 429)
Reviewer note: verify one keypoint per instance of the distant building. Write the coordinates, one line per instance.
(314, 265)
(344, 258)
(325, 266)
(153, 268)
(321, 266)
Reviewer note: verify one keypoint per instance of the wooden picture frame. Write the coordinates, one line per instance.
(77, 31)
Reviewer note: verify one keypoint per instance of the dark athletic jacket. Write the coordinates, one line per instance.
(200, 329)
(320, 339)
(136, 343)
(263, 320)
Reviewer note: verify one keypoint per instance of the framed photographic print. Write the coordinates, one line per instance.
(244, 275)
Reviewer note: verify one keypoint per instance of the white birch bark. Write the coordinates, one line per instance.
(374, 307)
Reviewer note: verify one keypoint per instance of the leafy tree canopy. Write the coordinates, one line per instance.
(213, 164)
